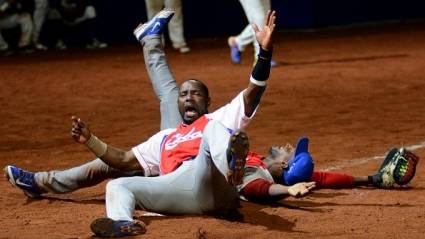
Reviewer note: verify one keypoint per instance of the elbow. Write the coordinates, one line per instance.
(129, 162)
(249, 112)
(117, 160)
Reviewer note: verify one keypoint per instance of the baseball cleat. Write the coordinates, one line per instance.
(235, 54)
(96, 44)
(106, 227)
(155, 26)
(236, 156)
(23, 180)
(60, 45)
(183, 49)
(40, 47)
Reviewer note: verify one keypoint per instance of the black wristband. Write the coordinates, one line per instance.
(261, 71)
(265, 54)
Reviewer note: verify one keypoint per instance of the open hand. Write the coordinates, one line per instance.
(264, 35)
(301, 189)
(80, 131)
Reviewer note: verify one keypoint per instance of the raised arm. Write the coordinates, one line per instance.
(261, 71)
(114, 157)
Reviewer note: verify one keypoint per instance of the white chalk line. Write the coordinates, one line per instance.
(359, 161)
(152, 214)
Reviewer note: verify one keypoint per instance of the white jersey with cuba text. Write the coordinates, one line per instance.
(166, 150)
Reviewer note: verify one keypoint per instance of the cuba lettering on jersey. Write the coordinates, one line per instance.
(181, 145)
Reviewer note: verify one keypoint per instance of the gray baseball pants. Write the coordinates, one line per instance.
(24, 21)
(198, 186)
(255, 11)
(39, 16)
(175, 26)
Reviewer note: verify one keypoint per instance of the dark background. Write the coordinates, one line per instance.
(223, 17)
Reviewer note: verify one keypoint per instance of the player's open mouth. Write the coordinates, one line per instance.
(190, 111)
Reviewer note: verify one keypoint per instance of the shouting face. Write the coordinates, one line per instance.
(193, 100)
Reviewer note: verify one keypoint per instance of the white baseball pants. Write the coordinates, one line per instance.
(255, 11)
(24, 21)
(175, 26)
(40, 13)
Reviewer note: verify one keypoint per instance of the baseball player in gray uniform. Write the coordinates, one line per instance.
(12, 15)
(255, 11)
(175, 26)
(41, 8)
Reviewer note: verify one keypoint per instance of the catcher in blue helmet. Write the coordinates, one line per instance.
(290, 171)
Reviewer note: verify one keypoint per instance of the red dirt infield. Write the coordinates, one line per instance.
(356, 93)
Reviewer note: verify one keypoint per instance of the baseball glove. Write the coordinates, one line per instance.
(398, 167)
(405, 168)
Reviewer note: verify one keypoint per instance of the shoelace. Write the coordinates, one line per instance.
(26, 177)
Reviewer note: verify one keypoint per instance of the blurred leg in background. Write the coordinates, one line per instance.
(175, 27)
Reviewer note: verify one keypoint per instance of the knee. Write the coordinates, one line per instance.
(259, 19)
(114, 186)
(90, 12)
(169, 94)
(41, 4)
(176, 5)
(25, 17)
(25, 21)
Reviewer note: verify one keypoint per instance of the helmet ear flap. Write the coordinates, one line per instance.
(300, 169)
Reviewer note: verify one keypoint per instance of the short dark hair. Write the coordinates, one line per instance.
(203, 86)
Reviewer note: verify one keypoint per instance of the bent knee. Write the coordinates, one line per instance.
(90, 12)
(115, 185)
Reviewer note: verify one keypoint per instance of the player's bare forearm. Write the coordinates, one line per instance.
(252, 96)
(278, 190)
(120, 159)
(114, 157)
(257, 83)
(261, 70)
(296, 190)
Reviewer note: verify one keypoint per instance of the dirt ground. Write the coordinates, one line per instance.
(356, 93)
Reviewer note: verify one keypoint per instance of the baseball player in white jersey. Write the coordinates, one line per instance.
(121, 162)
(255, 11)
(199, 169)
(152, 43)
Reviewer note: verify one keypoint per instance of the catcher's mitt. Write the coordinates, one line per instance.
(398, 167)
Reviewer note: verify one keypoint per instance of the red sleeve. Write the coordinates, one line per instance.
(257, 189)
(332, 180)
